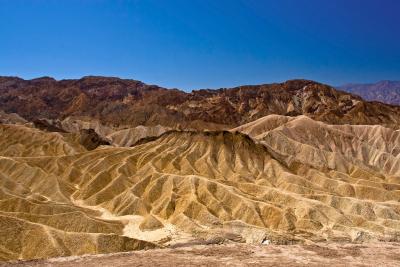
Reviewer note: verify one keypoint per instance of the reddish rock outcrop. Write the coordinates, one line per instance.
(116, 101)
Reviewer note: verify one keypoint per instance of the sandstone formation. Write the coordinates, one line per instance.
(120, 136)
(278, 179)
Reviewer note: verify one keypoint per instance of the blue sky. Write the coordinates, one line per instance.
(202, 44)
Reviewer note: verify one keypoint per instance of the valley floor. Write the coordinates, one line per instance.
(326, 254)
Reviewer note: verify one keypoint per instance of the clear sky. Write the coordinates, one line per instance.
(192, 44)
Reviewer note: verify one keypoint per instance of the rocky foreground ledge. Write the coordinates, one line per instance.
(322, 254)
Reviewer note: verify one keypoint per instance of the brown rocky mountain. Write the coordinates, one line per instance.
(383, 91)
(119, 102)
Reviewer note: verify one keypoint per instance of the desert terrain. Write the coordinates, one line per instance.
(371, 254)
(295, 174)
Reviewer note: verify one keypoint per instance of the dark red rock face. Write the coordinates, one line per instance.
(117, 101)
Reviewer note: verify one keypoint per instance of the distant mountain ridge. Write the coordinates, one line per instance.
(122, 102)
(383, 91)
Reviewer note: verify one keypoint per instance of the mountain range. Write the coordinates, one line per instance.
(103, 165)
(126, 103)
(383, 91)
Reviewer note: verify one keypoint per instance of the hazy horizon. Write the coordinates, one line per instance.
(191, 89)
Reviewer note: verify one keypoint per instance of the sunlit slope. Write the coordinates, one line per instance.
(120, 136)
(346, 148)
(128, 137)
(21, 141)
(294, 179)
(37, 217)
